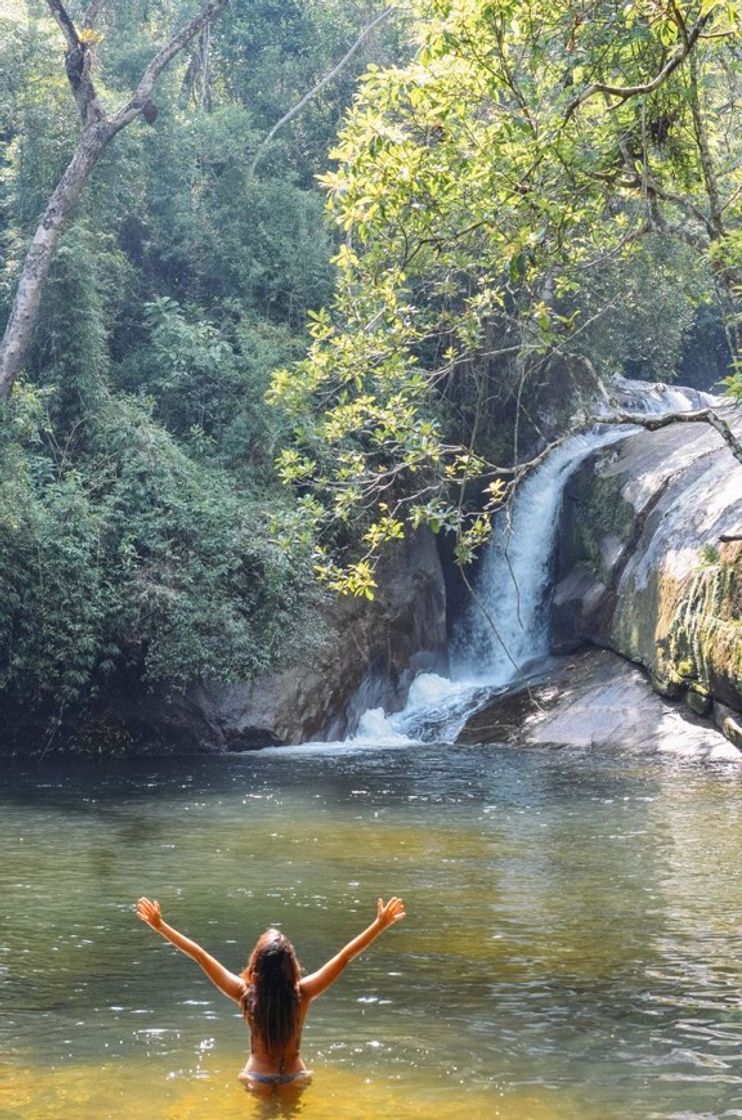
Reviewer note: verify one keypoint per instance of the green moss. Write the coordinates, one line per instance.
(684, 669)
(710, 554)
(704, 638)
(604, 512)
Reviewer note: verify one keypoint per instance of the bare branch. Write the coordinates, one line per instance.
(320, 85)
(78, 61)
(623, 93)
(134, 106)
(61, 15)
(664, 419)
(628, 419)
(92, 12)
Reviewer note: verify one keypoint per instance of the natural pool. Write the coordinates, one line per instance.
(573, 946)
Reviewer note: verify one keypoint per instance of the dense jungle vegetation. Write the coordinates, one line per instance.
(136, 476)
(525, 197)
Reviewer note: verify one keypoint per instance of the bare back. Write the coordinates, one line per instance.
(283, 1061)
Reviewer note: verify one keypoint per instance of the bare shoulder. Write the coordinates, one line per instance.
(305, 994)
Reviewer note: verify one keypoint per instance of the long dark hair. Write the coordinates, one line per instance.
(271, 1001)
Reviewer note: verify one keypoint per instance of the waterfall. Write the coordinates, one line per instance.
(512, 585)
(655, 397)
(506, 629)
(491, 649)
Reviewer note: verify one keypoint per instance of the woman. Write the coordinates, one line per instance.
(271, 992)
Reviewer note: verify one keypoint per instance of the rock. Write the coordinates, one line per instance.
(596, 699)
(629, 395)
(733, 731)
(649, 563)
(671, 690)
(698, 702)
(729, 724)
(575, 602)
(365, 654)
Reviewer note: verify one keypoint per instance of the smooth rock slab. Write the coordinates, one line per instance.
(596, 699)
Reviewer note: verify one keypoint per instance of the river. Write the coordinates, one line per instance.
(572, 949)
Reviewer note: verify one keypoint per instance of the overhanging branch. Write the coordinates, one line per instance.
(628, 419)
(623, 93)
(664, 419)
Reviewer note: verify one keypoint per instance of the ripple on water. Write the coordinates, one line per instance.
(573, 946)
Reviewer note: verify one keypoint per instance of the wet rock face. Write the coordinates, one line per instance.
(650, 563)
(365, 655)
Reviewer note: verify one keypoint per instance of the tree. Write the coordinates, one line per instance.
(97, 128)
(320, 85)
(528, 144)
(136, 453)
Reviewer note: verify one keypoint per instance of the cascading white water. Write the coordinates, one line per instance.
(506, 628)
(654, 397)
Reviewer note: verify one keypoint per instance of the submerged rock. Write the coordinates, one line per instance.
(596, 699)
(650, 560)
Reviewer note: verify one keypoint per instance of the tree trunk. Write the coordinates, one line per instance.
(38, 260)
(97, 130)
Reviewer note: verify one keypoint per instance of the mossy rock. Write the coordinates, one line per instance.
(699, 702)
(699, 630)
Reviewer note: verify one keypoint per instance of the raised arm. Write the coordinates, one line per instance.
(226, 981)
(387, 914)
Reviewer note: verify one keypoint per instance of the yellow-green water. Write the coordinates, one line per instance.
(573, 946)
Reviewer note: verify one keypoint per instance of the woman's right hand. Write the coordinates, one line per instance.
(149, 912)
(387, 913)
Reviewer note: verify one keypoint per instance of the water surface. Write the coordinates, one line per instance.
(572, 950)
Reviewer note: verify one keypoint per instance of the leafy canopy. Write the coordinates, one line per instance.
(527, 145)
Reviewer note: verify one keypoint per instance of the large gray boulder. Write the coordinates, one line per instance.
(596, 700)
(363, 654)
(650, 560)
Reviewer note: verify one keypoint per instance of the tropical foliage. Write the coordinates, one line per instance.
(525, 197)
(137, 488)
(543, 180)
